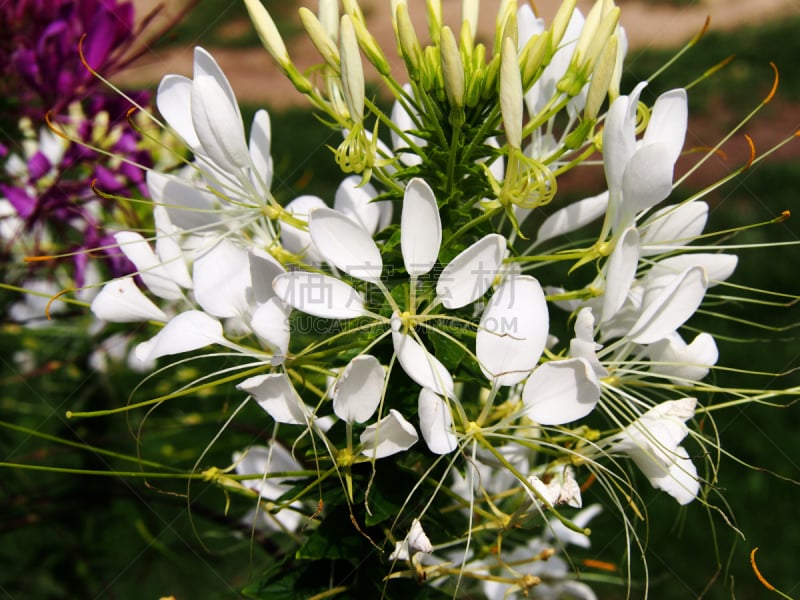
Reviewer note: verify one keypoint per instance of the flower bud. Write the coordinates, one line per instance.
(329, 17)
(320, 38)
(533, 58)
(272, 41)
(452, 68)
(560, 22)
(601, 79)
(469, 18)
(370, 47)
(511, 93)
(352, 69)
(407, 40)
(268, 32)
(434, 19)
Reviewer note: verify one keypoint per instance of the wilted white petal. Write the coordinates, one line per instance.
(513, 331)
(679, 479)
(270, 322)
(621, 272)
(298, 241)
(275, 394)
(148, 266)
(562, 391)
(358, 390)
(680, 362)
(467, 277)
(319, 295)
(390, 435)
(572, 217)
(436, 422)
(718, 267)
(583, 344)
(673, 226)
(420, 228)
(345, 244)
(261, 148)
(666, 309)
(121, 301)
(418, 363)
(355, 200)
(190, 330)
(668, 121)
(416, 541)
(216, 116)
(221, 280)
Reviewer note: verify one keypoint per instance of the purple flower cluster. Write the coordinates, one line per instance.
(43, 47)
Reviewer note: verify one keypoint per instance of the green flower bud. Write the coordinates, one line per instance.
(434, 19)
(407, 40)
(601, 79)
(320, 38)
(352, 69)
(452, 68)
(511, 93)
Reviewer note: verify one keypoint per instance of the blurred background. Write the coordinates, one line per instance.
(140, 536)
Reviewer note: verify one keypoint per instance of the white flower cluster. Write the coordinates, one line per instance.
(363, 333)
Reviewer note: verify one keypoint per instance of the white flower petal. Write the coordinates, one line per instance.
(718, 267)
(436, 422)
(418, 363)
(420, 228)
(216, 116)
(263, 269)
(298, 241)
(270, 322)
(260, 149)
(668, 121)
(355, 200)
(390, 435)
(406, 123)
(679, 479)
(188, 207)
(562, 391)
(468, 276)
(619, 137)
(190, 330)
(121, 301)
(572, 217)
(345, 244)
(174, 102)
(319, 295)
(647, 179)
(358, 390)
(666, 309)
(621, 272)
(683, 363)
(148, 266)
(221, 278)
(168, 248)
(513, 331)
(673, 226)
(275, 394)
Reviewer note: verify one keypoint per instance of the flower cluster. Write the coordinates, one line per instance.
(534, 355)
(72, 137)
